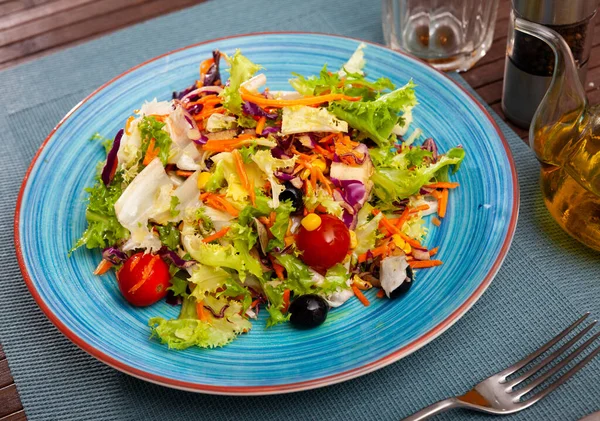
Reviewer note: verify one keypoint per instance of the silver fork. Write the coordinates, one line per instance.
(497, 395)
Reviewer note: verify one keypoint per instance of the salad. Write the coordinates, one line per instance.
(232, 198)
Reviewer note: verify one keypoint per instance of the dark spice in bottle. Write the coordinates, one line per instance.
(535, 56)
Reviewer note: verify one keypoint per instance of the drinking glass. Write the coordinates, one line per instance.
(448, 34)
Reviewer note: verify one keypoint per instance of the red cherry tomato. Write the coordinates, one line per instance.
(325, 246)
(143, 279)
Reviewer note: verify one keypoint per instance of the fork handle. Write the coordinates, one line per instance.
(436, 408)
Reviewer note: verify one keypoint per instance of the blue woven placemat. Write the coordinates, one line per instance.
(547, 280)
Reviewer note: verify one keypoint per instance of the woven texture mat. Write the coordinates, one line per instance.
(546, 281)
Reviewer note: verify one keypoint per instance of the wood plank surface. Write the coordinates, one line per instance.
(30, 29)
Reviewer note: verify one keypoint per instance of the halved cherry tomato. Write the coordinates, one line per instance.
(144, 279)
(325, 246)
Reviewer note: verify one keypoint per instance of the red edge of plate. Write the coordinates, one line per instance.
(283, 388)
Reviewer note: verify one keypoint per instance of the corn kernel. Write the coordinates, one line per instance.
(407, 248)
(304, 175)
(360, 283)
(399, 241)
(311, 222)
(203, 178)
(353, 240)
(319, 164)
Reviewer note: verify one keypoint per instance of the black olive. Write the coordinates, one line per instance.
(404, 286)
(294, 195)
(308, 310)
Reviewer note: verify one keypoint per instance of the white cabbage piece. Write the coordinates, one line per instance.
(287, 95)
(302, 118)
(155, 107)
(130, 149)
(188, 157)
(355, 63)
(393, 273)
(254, 83)
(268, 164)
(217, 122)
(401, 129)
(146, 196)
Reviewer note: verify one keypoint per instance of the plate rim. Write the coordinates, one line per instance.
(390, 358)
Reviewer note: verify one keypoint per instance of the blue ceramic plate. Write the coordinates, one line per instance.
(89, 310)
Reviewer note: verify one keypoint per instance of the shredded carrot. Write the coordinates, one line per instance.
(151, 152)
(147, 270)
(183, 173)
(419, 208)
(200, 310)
(241, 170)
(128, 125)
(277, 268)
(433, 251)
(328, 138)
(442, 185)
(280, 103)
(205, 65)
(226, 145)
(443, 203)
(252, 193)
(103, 267)
(286, 301)
(323, 180)
(403, 218)
(418, 264)
(380, 293)
(260, 125)
(216, 235)
(208, 99)
(360, 296)
(377, 251)
(220, 203)
(324, 152)
(207, 113)
(436, 221)
(255, 303)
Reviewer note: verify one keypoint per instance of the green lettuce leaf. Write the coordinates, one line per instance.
(188, 330)
(376, 119)
(169, 235)
(335, 280)
(366, 229)
(280, 226)
(397, 183)
(241, 70)
(103, 228)
(351, 84)
(151, 128)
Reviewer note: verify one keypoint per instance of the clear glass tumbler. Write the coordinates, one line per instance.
(448, 34)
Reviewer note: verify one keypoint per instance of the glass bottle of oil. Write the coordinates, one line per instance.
(565, 136)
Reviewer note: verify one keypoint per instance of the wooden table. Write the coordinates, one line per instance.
(33, 28)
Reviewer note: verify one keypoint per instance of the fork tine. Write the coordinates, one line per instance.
(562, 379)
(525, 390)
(518, 365)
(550, 357)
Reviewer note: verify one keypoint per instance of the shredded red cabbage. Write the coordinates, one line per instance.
(250, 108)
(181, 94)
(270, 130)
(174, 258)
(213, 75)
(279, 153)
(201, 140)
(108, 172)
(283, 176)
(429, 145)
(114, 255)
(219, 315)
(353, 191)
